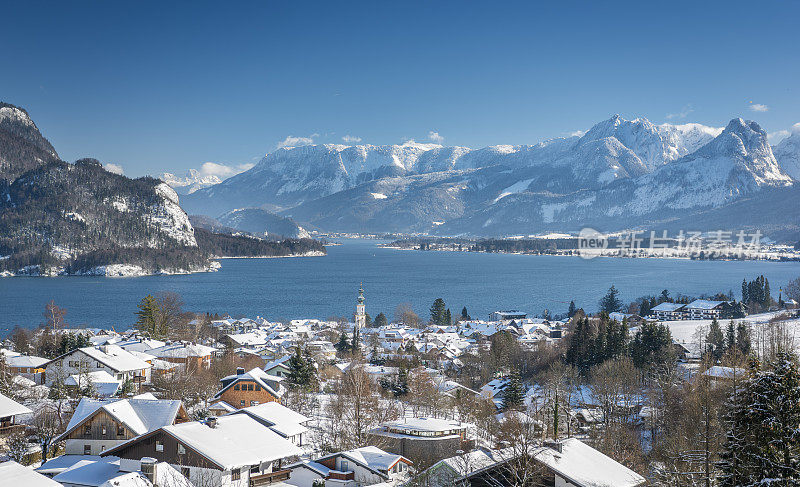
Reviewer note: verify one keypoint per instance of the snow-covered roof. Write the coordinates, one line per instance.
(26, 361)
(720, 372)
(59, 464)
(667, 307)
(104, 383)
(115, 358)
(236, 440)
(139, 414)
(182, 350)
(91, 473)
(222, 406)
(10, 407)
(703, 304)
(140, 344)
(270, 383)
(281, 361)
(12, 473)
(584, 466)
(277, 417)
(372, 457)
(469, 463)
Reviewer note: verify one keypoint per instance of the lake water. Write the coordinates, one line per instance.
(319, 287)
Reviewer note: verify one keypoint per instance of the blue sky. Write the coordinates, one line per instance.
(157, 87)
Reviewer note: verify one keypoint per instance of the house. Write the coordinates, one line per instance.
(99, 425)
(424, 440)
(230, 451)
(108, 472)
(249, 388)
(280, 419)
(28, 366)
(668, 311)
(14, 474)
(718, 373)
(361, 467)
(703, 309)
(121, 364)
(9, 410)
(191, 355)
(279, 367)
(507, 315)
(564, 463)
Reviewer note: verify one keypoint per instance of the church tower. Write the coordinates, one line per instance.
(361, 314)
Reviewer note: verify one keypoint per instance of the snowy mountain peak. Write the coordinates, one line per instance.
(787, 153)
(191, 182)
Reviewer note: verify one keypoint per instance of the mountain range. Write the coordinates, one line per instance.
(619, 174)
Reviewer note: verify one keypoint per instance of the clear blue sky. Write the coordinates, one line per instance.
(157, 86)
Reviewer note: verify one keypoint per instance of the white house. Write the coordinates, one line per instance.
(118, 362)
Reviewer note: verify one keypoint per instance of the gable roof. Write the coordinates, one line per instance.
(139, 414)
(112, 356)
(235, 441)
(277, 417)
(371, 458)
(667, 307)
(259, 377)
(584, 466)
(704, 304)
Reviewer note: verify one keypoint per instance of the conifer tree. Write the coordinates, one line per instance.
(148, 316)
(302, 373)
(381, 320)
(611, 302)
(730, 336)
(448, 318)
(743, 342)
(571, 310)
(715, 340)
(465, 315)
(514, 392)
(438, 311)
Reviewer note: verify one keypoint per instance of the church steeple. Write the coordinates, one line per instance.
(361, 314)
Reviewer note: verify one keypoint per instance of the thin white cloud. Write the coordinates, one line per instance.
(292, 141)
(351, 139)
(685, 111)
(435, 137)
(775, 137)
(222, 171)
(758, 107)
(114, 168)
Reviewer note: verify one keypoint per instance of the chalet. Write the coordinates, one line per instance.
(249, 388)
(99, 425)
(668, 311)
(28, 366)
(118, 362)
(424, 440)
(9, 410)
(280, 419)
(231, 451)
(364, 466)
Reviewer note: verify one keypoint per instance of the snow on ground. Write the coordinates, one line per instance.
(517, 187)
(379, 196)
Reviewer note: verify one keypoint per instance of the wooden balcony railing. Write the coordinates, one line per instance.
(269, 478)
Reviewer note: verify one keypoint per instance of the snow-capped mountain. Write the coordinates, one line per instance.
(23, 146)
(613, 149)
(787, 152)
(263, 223)
(191, 182)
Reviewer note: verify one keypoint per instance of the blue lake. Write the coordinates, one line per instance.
(319, 287)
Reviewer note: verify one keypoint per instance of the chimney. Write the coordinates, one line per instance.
(148, 468)
(211, 422)
(239, 370)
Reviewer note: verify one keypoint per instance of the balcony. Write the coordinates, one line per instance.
(269, 478)
(336, 475)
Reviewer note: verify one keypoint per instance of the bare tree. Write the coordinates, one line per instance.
(17, 447)
(404, 313)
(47, 424)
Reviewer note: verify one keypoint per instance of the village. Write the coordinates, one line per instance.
(569, 400)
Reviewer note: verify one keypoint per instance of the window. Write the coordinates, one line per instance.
(87, 430)
(258, 387)
(254, 403)
(181, 449)
(103, 430)
(185, 471)
(159, 445)
(345, 466)
(236, 387)
(241, 403)
(120, 430)
(255, 469)
(236, 474)
(87, 449)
